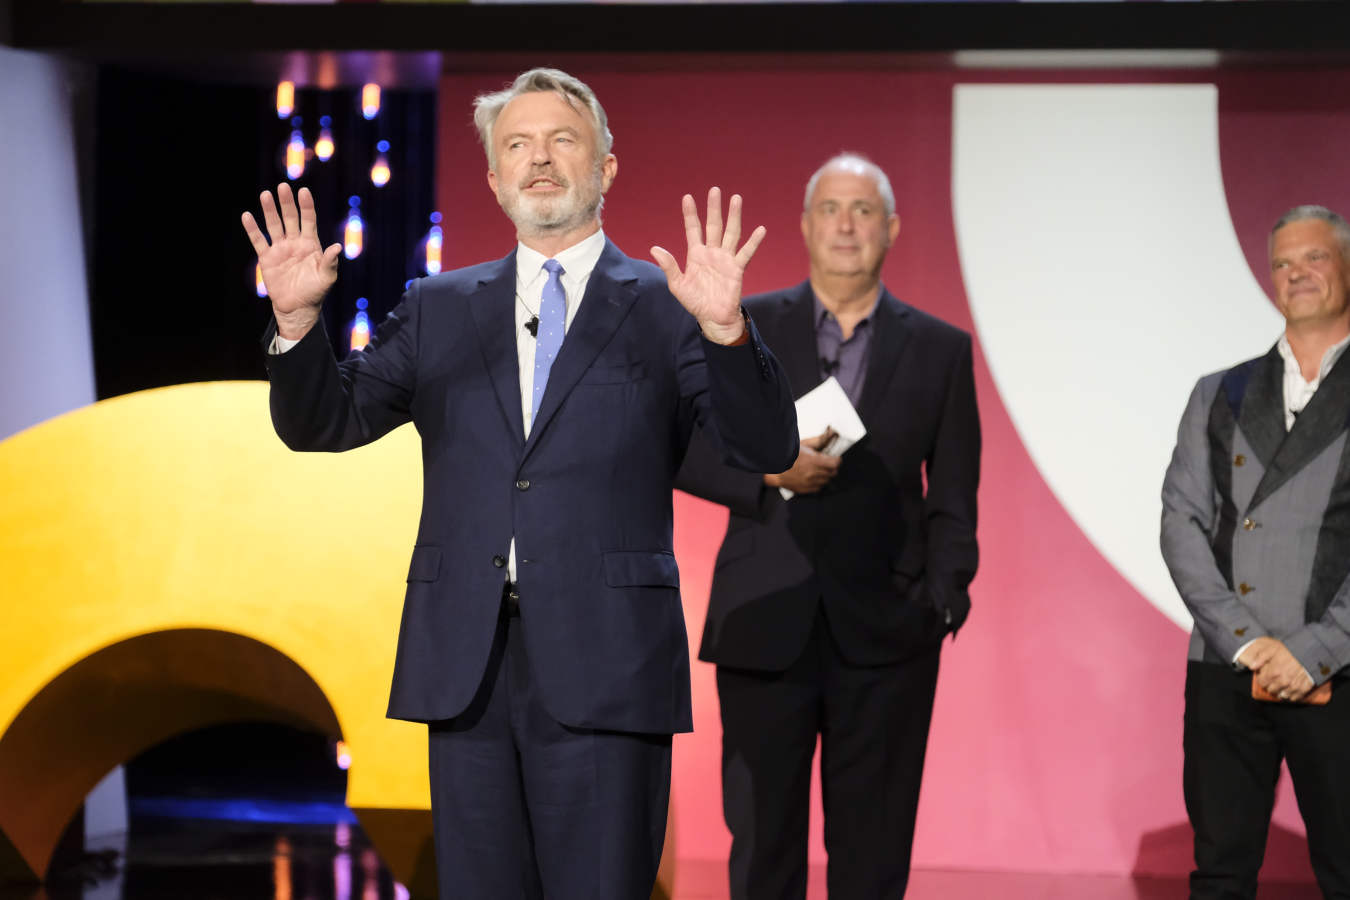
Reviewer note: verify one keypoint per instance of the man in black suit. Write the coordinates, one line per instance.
(828, 609)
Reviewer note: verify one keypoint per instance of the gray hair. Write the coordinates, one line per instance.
(855, 164)
(1309, 211)
(486, 107)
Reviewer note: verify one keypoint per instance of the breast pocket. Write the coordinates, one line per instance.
(615, 374)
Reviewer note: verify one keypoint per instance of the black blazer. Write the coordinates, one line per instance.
(888, 557)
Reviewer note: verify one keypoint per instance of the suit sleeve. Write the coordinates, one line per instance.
(320, 404)
(1323, 647)
(1189, 517)
(741, 399)
(705, 475)
(952, 466)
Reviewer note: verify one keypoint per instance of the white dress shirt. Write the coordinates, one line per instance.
(577, 261)
(1297, 390)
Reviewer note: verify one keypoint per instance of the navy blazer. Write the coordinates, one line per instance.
(888, 546)
(587, 497)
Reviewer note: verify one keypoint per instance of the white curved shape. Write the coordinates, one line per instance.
(1104, 276)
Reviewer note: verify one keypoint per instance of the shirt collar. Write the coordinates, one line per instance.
(821, 312)
(577, 260)
(1329, 358)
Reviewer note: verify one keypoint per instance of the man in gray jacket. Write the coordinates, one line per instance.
(1256, 533)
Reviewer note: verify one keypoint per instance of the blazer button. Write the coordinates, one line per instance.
(1244, 589)
(1248, 524)
(522, 485)
(499, 561)
(1239, 631)
(1239, 460)
(1325, 669)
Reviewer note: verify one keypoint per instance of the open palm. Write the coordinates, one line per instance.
(709, 286)
(295, 267)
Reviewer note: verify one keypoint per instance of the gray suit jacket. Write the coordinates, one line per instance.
(1256, 521)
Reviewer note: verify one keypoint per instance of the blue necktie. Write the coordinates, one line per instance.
(552, 316)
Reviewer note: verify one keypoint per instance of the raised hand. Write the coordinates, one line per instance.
(296, 269)
(710, 285)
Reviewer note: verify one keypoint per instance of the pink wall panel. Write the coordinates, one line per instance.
(1056, 742)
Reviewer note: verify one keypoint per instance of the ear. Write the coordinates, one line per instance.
(492, 183)
(804, 225)
(609, 168)
(893, 227)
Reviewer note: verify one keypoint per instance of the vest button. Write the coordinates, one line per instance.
(499, 561)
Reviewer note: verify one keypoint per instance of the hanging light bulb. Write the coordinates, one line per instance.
(434, 239)
(285, 99)
(360, 337)
(370, 100)
(295, 152)
(353, 232)
(258, 280)
(323, 147)
(379, 172)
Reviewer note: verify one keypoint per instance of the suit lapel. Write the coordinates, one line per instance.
(493, 307)
(890, 334)
(1261, 418)
(1321, 421)
(609, 296)
(794, 342)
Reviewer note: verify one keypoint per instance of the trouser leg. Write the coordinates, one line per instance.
(1315, 741)
(873, 743)
(770, 721)
(1232, 761)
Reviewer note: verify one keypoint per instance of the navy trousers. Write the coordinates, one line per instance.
(526, 807)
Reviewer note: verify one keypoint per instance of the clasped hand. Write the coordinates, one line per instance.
(1277, 670)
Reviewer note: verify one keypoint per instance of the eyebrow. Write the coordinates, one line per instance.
(565, 129)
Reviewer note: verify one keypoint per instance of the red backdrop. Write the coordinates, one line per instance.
(1056, 743)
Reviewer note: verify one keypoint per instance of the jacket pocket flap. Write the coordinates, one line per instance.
(426, 563)
(641, 568)
(624, 372)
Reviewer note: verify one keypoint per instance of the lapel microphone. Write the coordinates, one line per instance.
(532, 327)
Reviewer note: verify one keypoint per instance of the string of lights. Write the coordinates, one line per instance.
(373, 147)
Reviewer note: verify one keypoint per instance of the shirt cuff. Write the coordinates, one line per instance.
(280, 345)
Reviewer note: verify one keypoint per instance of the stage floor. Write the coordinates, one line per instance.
(201, 859)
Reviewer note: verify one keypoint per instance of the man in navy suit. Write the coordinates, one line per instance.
(828, 609)
(542, 635)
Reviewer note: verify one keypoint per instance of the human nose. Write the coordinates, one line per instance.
(539, 155)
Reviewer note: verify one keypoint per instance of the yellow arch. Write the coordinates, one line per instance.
(172, 525)
(178, 508)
